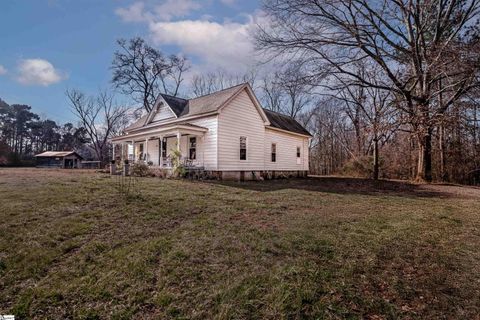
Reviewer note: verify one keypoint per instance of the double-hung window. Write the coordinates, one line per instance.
(274, 152)
(164, 148)
(192, 150)
(243, 148)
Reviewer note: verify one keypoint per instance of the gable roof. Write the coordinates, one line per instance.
(178, 105)
(202, 104)
(58, 154)
(284, 122)
(213, 102)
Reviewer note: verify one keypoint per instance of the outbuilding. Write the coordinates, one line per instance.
(59, 159)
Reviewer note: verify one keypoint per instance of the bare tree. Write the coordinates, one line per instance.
(416, 44)
(288, 90)
(330, 147)
(173, 77)
(101, 117)
(272, 93)
(297, 90)
(371, 112)
(203, 84)
(142, 71)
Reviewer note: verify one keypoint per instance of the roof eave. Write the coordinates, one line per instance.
(184, 128)
(154, 125)
(290, 132)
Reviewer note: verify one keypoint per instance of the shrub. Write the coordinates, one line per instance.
(361, 167)
(178, 168)
(158, 172)
(140, 170)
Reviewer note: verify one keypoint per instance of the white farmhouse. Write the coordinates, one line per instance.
(226, 133)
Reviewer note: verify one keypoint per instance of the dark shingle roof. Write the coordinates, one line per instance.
(178, 105)
(284, 122)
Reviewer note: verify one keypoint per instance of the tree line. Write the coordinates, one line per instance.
(399, 81)
(24, 133)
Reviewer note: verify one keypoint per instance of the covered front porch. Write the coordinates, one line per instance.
(156, 147)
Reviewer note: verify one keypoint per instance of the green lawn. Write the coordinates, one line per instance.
(72, 247)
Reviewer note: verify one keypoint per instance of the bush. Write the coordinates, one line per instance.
(158, 172)
(178, 168)
(361, 167)
(140, 170)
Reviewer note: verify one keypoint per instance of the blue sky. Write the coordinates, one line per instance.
(49, 46)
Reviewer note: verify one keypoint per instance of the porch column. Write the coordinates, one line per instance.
(113, 151)
(122, 155)
(146, 150)
(160, 148)
(179, 137)
(134, 154)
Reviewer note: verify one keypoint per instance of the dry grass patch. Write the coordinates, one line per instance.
(71, 247)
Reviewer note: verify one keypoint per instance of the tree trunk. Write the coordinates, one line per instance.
(443, 158)
(376, 165)
(424, 167)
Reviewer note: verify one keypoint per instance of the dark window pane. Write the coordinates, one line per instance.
(192, 154)
(164, 148)
(243, 154)
(243, 148)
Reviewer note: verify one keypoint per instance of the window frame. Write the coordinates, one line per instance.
(240, 148)
(299, 152)
(190, 148)
(164, 148)
(273, 152)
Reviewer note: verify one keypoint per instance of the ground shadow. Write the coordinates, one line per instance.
(345, 185)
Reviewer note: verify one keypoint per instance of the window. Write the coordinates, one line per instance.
(192, 154)
(274, 152)
(140, 152)
(299, 160)
(164, 147)
(243, 148)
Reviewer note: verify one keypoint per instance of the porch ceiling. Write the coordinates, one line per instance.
(185, 128)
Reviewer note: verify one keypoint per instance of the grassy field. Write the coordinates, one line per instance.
(72, 247)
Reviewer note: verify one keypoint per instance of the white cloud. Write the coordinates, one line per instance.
(134, 13)
(38, 72)
(169, 9)
(227, 45)
(3, 70)
(224, 44)
(176, 8)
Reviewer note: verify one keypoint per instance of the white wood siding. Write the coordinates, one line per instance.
(163, 113)
(207, 145)
(286, 151)
(240, 118)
